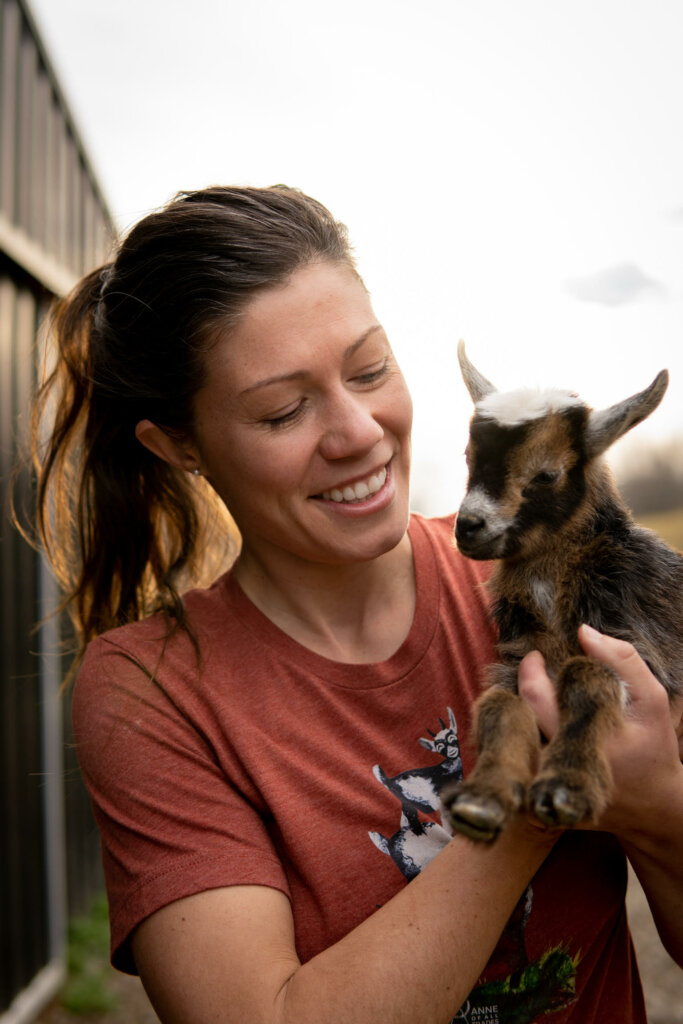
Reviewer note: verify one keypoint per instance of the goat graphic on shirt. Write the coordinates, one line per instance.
(531, 989)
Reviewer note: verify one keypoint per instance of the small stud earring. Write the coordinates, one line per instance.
(195, 472)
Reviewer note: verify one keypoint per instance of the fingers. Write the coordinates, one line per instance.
(644, 690)
(643, 751)
(536, 688)
(623, 658)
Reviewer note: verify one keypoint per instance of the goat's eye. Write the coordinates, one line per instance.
(546, 477)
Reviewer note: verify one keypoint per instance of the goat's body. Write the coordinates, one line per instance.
(542, 504)
(608, 572)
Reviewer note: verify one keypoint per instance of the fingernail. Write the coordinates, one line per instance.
(593, 633)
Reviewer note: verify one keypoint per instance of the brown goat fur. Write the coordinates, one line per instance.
(542, 505)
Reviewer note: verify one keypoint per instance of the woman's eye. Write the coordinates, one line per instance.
(373, 374)
(287, 417)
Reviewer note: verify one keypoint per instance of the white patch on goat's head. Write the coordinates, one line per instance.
(513, 408)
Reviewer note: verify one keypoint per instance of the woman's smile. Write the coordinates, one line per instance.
(365, 492)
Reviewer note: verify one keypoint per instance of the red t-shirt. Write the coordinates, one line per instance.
(265, 763)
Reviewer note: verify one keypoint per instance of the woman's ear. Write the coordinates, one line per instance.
(177, 453)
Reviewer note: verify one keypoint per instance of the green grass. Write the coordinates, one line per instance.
(87, 989)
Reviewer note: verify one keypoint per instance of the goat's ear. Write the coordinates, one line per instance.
(477, 385)
(608, 425)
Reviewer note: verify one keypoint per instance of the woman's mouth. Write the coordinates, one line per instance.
(358, 491)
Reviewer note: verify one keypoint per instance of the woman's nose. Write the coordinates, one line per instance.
(350, 428)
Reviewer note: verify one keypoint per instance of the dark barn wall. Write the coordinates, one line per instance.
(54, 226)
(23, 875)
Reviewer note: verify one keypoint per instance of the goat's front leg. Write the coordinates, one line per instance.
(507, 743)
(574, 782)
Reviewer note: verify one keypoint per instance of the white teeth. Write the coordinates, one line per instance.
(358, 491)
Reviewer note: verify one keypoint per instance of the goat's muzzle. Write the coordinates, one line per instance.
(468, 528)
(481, 531)
(473, 536)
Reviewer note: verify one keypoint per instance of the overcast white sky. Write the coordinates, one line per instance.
(511, 172)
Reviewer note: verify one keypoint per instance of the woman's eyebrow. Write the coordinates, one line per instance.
(300, 374)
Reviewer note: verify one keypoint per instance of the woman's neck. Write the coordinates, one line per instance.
(357, 614)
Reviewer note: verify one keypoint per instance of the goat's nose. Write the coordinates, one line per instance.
(466, 525)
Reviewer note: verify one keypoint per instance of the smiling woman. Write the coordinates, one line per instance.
(302, 427)
(255, 749)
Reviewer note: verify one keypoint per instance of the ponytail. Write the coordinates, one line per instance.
(120, 527)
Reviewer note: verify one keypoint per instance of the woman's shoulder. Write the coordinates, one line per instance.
(151, 672)
(134, 652)
(203, 611)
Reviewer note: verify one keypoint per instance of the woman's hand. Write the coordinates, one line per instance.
(644, 754)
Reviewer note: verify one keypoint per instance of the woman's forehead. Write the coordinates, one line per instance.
(318, 289)
(321, 310)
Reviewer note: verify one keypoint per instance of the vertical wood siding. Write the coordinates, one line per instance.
(54, 227)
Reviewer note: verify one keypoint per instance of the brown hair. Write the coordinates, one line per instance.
(123, 529)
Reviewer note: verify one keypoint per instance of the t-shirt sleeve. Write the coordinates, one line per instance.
(172, 822)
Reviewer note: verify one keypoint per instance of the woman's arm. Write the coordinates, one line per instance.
(228, 955)
(646, 813)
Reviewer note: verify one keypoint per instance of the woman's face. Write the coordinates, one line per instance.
(303, 426)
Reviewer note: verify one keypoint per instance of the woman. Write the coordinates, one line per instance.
(264, 755)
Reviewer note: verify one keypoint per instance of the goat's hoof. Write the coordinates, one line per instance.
(477, 817)
(556, 804)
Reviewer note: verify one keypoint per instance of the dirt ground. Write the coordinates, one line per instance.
(662, 978)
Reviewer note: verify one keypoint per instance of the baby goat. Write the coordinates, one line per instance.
(541, 502)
